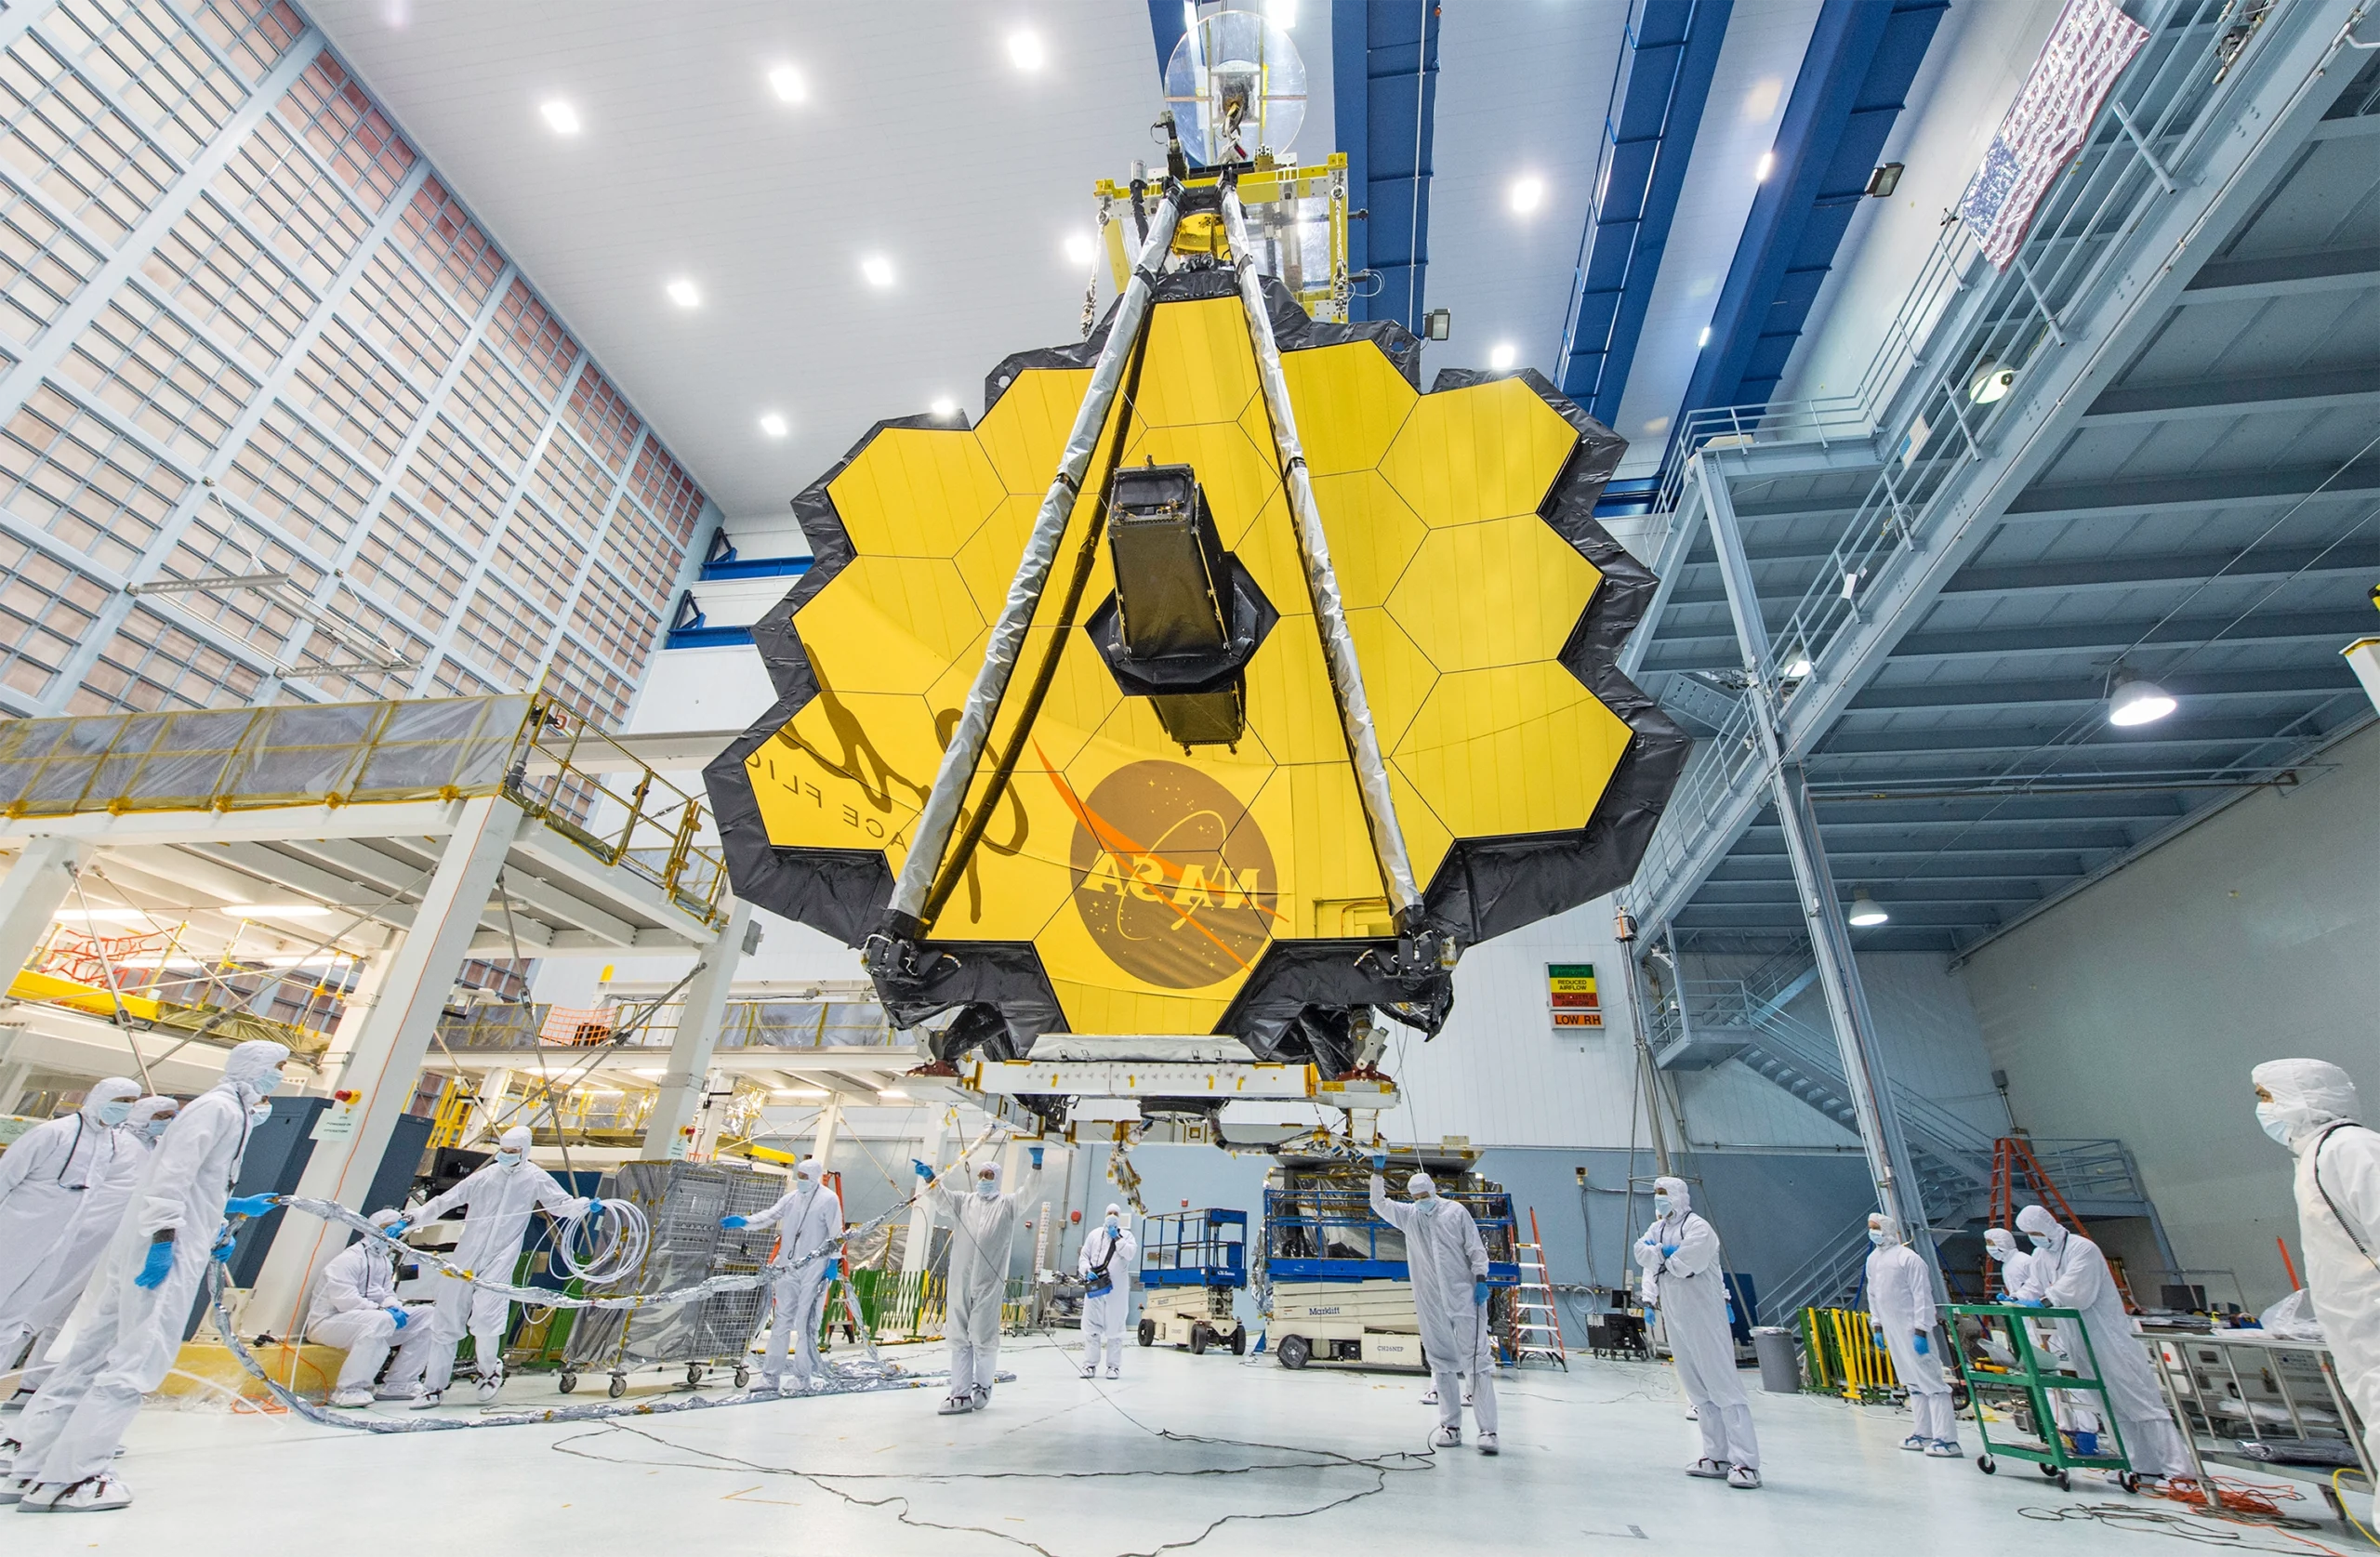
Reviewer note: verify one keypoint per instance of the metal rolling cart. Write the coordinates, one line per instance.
(683, 1202)
(2258, 1401)
(2004, 1367)
(1192, 1265)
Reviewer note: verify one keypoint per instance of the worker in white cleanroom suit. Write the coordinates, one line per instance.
(1105, 1266)
(74, 1260)
(69, 1435)
(47, 1179)
(500, 1196)
(1680, 1255)
(2074, 1273)
(983, 1232)
(355, 1309)
(2309, 1106)
(813, 1217)
(1447, 1264)
(1901, 1310)
(2017, 1282)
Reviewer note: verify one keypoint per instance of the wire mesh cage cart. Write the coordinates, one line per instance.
(1192, 1264)
(2010, 1372)
(683, 1202)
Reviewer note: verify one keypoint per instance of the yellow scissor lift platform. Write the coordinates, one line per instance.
(2040, 1381)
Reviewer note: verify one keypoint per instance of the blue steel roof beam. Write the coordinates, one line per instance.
(1862, 56)
(1384, 88)
(1648, 136)
(1168, 22)
(2274, 97)
(2193, 686)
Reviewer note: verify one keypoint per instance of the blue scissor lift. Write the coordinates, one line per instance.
(1192, 1264)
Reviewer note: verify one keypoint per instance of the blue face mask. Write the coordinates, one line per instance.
(1661, 1204)
(115, 1112)
(1877, 1236)
(155, 1128)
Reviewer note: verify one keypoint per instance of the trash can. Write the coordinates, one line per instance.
(1780, 1363)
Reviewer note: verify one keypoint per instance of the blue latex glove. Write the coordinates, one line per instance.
(594, 1206)
(1667, 1249)
(400, 1315)
(1379, 1162)
(248, 1205)
(1479, 1293)
(153, 1269)
(733, 1222)
(923, 1172)
(225, 1244)
(834, 1270)
(396, 1228)
(1925, 1347)
(2036, 1302)
(1035, 1154)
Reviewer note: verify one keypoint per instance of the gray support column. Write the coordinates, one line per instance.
(698, 1020)
(34, 889)
(1846, 1000)
(388, 1055)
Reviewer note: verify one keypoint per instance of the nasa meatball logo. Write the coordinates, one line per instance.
(1171, 875)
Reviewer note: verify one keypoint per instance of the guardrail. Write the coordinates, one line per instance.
(1960, 324)
(790, 1024)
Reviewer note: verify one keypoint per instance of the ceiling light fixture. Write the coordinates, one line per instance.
(944, 407)
(773, 424)
(2137, 701)
(1797, 663)
(1991, 382)
(102, 916)
(877, 269)
(893, 1092)
(1528, 193)
(681, 292)
(1502, 355)
(1703, 339)
(560, 115)
(1079, 249)
(808, 1094)
(1283, 14)
(1767, 165)
(1024, 50)
(787, 82)
(1865, 910)
(277, 910)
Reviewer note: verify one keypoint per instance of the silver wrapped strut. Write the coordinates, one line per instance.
(1329, 611)
(940, 815)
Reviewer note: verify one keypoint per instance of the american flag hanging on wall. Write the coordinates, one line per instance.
(2051, 118)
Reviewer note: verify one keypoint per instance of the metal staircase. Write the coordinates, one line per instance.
(1745, 1018)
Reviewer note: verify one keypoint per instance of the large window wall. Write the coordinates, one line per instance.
(278, 420)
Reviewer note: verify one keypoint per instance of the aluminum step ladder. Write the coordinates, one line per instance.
(1537, 1324)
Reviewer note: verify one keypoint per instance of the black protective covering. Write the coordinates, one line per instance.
(1297, 1001)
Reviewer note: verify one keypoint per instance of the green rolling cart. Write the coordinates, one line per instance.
(2005, 1366)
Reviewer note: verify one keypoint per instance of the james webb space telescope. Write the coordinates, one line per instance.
(1166, 731)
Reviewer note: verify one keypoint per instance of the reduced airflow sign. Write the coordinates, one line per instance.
(1570, 991)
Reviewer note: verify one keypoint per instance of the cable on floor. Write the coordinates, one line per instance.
(2158, 1522)
(1382, 1466)
(2339, 1493)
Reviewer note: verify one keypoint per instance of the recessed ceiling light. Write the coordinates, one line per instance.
(1767, 165)
(1024, 50)
(878, 269)
(1502, 355)
(787, 82)
(681, 292)
(1703, 339)
(945, 407)
(773, 424)
(1079, 249)
(1528, 193)
(893, 1092)
(560, 115)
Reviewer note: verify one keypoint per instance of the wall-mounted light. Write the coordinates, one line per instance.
(1882, 182)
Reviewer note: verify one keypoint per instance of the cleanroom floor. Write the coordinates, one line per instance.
(1212, 1454)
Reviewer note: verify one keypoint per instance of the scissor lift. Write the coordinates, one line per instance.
(1192, 1263)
